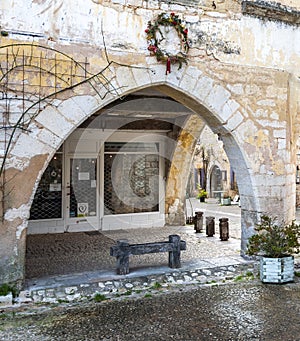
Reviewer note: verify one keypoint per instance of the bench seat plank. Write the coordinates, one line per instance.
(142, 249)
(123, 250)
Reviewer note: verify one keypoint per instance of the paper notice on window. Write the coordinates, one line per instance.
(93, 183)
(83, 176)
(55, 187)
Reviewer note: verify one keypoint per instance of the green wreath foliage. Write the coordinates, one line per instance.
(171, 20)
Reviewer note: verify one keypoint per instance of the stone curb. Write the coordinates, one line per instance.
(127, 286)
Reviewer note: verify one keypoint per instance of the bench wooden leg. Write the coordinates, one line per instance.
(123, 265)
(123, 257)
(174, 256)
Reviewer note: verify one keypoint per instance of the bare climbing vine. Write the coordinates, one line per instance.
(32, 76)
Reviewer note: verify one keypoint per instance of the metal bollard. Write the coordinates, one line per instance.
(210, 226)
(224, 229)
(198, 222)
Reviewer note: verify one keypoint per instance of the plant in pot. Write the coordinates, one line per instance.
(226, 200)
(202, 194)
(275, 243)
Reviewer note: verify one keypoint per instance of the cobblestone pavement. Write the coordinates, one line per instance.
(75, 266)
(60, 259)
(67, 253)
(214, 296)
(244, 311)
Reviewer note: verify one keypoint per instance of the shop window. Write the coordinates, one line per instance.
(47, 202)
(131, 178)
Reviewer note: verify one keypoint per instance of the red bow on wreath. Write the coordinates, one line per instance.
(172, 20)
(168, 70)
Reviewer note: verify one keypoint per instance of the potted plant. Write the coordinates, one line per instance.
(275, 244)
(226, 200)
(202, 194)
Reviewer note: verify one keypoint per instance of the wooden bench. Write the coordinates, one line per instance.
(123, 250)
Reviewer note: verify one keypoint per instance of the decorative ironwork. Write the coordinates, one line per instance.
(32, 76)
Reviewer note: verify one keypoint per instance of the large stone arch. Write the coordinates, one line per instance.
(256, 139)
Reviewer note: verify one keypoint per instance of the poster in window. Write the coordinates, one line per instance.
(83, 176)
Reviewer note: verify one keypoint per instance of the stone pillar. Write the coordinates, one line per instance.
(248, 221)
(18, 187)
(12, 252)
(181, 158)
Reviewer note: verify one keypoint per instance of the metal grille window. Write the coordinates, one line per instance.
(47, 202)
(131, 178)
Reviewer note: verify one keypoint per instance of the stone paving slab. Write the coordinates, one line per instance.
(77, 266)
(62, 254)
(56, 258)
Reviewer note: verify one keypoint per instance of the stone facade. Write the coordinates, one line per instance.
(63, 61)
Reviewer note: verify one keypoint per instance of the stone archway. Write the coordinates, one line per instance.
(253, 147)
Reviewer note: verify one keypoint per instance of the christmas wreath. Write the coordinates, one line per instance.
(152, 31)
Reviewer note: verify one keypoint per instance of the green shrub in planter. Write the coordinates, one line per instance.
(275, 243)
(5, 289)
(274, 240)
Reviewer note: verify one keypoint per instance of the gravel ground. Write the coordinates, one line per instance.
(240, 311)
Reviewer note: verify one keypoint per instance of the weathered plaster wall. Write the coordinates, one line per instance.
(291, 3)
(237, 80)
(295, 121)
(222, 32)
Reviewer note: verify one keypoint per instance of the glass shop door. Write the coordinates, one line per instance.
(82, 213)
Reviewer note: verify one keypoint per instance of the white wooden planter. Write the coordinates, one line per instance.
(6, 301)
(225, 201)
(277, 270)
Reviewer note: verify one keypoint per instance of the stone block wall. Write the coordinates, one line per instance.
(63, 61)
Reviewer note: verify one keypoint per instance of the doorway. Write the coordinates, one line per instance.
(216, 183)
